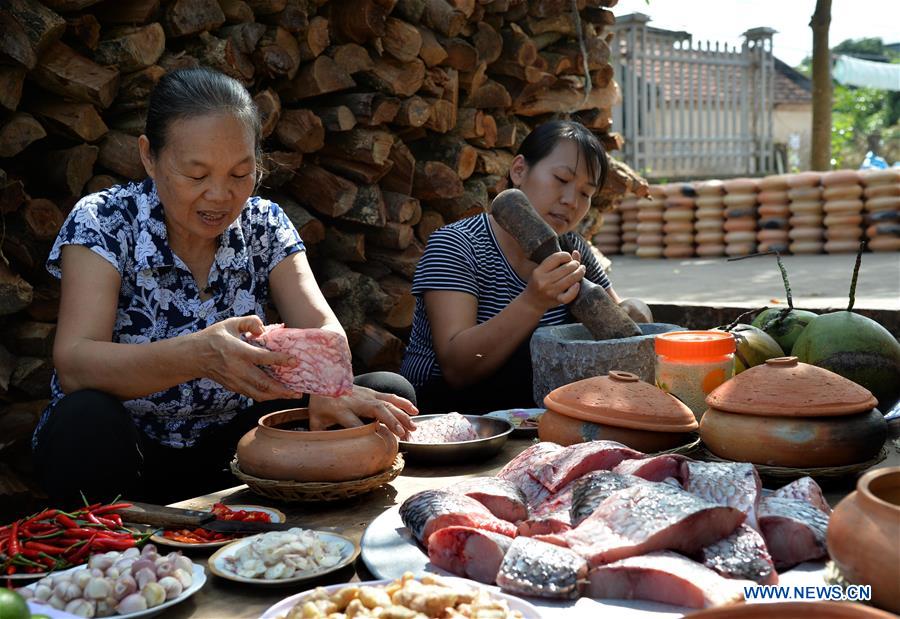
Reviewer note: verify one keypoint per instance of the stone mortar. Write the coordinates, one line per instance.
(562, 354)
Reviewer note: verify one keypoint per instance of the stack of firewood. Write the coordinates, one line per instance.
(383, 120)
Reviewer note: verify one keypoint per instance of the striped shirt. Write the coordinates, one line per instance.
(465, 257)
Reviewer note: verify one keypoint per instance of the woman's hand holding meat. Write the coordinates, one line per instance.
(391, 410)
(233, 363)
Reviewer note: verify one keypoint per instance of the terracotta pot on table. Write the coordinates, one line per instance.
(792, 414)
(617, 407)
(269, 451)
(864, 536)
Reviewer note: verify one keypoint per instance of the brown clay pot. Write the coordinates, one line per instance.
(269, 452)
(793, 441)
(864, 536)
(793, 610)
(558, 428)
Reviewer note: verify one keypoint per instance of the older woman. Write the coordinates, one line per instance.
(154, 383)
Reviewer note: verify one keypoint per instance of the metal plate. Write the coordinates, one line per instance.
(492, 435)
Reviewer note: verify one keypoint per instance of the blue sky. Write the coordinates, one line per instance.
(725, 20)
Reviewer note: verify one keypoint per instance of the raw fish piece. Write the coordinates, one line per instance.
(727, 483)
(550, 516)
(655, 468)
(430, 510)
(645, 518)
(519, 469)
(449, 428)
(794, 531)
(502, 498)
(743, 554)
(664, 577)
(592, 489)
(536, 569)
(470, 553)
(805, 489)
(323, 359)
(578, 459)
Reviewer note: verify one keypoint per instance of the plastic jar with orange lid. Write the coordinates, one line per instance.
(690, 364)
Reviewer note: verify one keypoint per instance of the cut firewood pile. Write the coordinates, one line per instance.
(383, 120)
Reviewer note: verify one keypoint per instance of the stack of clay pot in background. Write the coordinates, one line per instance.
(650, 224)
(805, 195)
(710, 235)
(629, 210)
(773, 214)
(609, 236)
(882, 208)
(843, 205)
(740, 216)
(678, 221)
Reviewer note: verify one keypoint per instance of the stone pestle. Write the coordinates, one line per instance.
(592, 307)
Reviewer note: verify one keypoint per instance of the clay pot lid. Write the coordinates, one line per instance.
(785, 387)
(624, 400)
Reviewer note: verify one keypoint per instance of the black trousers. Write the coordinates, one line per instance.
(90, 445)
(510, 387)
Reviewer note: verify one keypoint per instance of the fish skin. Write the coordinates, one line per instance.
(735, 484)
(805, 489)
(429, 510)
(449, 428)
(551, 515)
(590, 490)
(742, 555)
(536, 569)
(502, 497)
(794, 531)
(519, 470)
(648, 517)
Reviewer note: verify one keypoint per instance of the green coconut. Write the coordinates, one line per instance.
(856, 347)
(784, 325)
(752, 346)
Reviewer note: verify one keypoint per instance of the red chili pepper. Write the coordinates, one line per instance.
(110, 508)
(48, 548)
(65, 521)
(78, 556)
(14, 539)
(103, 544)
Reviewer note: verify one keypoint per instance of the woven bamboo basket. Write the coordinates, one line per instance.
(302, 491)
(788, 474)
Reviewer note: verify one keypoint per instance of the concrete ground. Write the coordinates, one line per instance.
(817, 282)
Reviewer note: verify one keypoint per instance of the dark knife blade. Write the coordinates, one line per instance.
(175, 518)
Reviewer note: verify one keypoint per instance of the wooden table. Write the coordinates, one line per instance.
(222, 599)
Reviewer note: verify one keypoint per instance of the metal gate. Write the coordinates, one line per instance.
(693, 111)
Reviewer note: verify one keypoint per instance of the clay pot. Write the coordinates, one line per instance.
(270, 452)
(863, 534)
(794, 441)
(793, 610)
(618, 407)
(558, 428)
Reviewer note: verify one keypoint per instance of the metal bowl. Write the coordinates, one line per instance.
(492, 434)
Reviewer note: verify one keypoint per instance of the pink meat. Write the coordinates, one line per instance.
(663, 577)
(323, 360)
(470, 553)
(645, 518)
(576, 460)
(805, 489)
(502, 498)
(656, 468)
(449, 428)
(518, 470)
(794, 531)
(553, 515)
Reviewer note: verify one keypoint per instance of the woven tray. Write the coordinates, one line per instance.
(300, 491)
(788, 474)
(688, 449)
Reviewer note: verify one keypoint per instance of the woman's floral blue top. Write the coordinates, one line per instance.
(159, 298)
